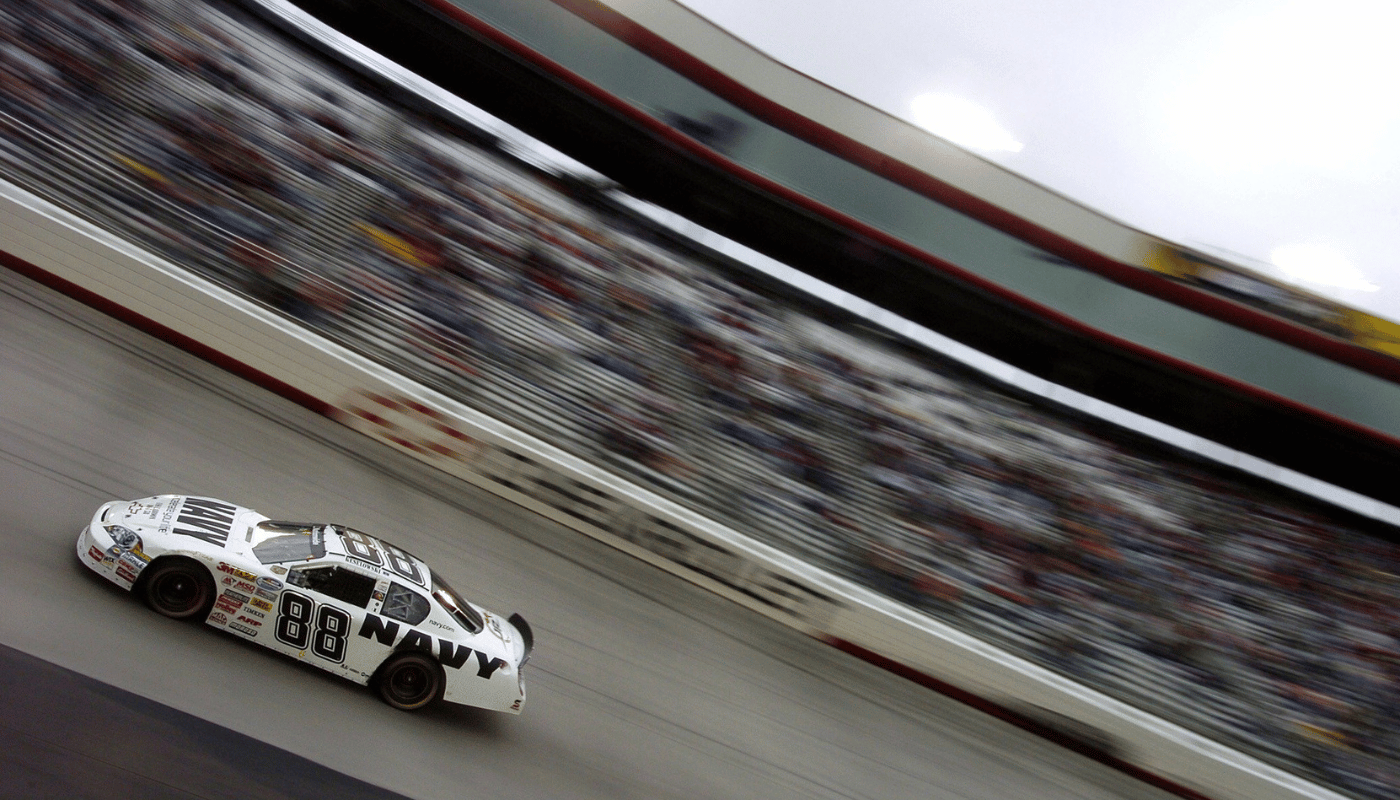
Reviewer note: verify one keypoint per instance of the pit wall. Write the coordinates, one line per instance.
(56, 248)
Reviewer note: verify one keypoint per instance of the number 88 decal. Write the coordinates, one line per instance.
(328, 637)
(367, 548)
(332, 629)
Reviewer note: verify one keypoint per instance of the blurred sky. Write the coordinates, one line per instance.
(1235, 126)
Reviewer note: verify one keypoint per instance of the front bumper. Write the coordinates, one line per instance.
(99, 553)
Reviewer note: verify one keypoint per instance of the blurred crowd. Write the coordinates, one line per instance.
(219, 145)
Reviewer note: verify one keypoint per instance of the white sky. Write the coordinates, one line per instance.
(1235, 126)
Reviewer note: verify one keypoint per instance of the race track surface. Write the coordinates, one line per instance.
(641, 686)
(65, 735)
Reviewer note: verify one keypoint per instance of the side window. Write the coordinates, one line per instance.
(338, 582)
(404, 604)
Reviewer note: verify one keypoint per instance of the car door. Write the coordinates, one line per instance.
(318, 612)
(391, 623)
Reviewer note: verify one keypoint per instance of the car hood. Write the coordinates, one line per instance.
(144, 514)
(159, 513)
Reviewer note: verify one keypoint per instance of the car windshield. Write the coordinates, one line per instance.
(456, 606)
(276, 542)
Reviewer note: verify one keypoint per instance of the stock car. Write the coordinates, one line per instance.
(326, 594)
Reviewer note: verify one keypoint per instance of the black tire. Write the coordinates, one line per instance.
(178, 588)
(410, 681)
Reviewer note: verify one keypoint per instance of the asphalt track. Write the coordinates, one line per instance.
(66, 735)
(642, 686)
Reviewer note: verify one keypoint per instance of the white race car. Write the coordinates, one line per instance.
(329, 595)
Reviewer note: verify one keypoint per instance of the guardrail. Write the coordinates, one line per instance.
(63, 250)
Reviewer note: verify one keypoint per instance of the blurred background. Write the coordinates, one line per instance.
(672, 297)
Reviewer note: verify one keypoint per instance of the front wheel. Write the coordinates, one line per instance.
(410, 681)
(179, 589)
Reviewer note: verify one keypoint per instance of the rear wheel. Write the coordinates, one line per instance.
(410, 681)
(179, 589)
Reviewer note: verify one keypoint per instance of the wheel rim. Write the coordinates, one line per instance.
(178, 592)
(410, 683)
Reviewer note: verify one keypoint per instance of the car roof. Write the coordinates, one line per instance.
(380, 556)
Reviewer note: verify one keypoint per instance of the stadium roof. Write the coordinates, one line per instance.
(1264, 131)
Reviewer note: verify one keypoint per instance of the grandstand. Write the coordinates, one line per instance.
(823, 205)
(1259, 617)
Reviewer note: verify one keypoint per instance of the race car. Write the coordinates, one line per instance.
(326, 594)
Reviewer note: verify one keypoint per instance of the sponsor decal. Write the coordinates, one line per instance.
(165, 518)
(236, 572)
(243, 629)
(207, 520)
(129, 565)
(260, 604)
(226, 605)
(280, 570)
(516, 705)
(437, 624)
(113, 554)
(378, 595)
(417, 640)
(486, 664)
(450, 654)
(237, 597)
(246, 620)
(270, 584)
(252, 612)
(95, 554)
(265, 594)
(218, 618)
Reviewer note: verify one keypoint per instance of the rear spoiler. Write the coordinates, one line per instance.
(525, 633)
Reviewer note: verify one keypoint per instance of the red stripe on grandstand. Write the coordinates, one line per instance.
(663, 131)
(455, 434)
(387, 402)
(406, 444)
(872, 160)
(1066, 740)
(370, 416)
(422, 409)
(143, 323)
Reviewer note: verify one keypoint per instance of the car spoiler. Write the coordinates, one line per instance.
(525, 633)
